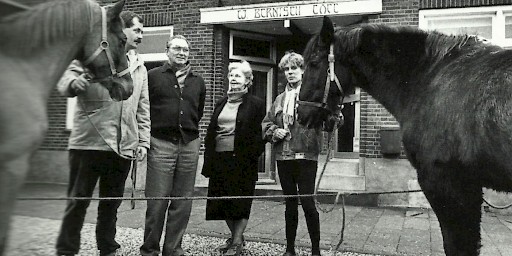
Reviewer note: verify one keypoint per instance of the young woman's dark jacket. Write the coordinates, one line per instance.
(248, 135)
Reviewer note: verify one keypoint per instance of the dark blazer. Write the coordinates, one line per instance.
(175, 114)
(249, 143)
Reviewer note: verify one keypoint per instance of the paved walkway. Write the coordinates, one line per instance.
(386, 231)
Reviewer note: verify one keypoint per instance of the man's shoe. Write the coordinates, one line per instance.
(178, 252)
(289, 254)
(234, 250)
(117, 252)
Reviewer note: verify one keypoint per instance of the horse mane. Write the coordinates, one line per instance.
(437, 45)
(44, 24)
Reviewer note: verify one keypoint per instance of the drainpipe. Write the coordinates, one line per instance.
(214, 67)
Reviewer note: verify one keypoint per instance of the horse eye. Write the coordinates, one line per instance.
(314, 62)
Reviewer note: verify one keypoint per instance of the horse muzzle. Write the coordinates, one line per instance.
(119, 88)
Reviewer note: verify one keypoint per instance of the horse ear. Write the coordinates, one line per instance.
(327, 32)
(116, 9)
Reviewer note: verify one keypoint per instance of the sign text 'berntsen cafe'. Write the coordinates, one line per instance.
(287, 10)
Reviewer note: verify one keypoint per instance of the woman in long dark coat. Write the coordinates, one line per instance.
(233, 145)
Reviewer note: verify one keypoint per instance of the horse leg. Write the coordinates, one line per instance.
(12, 176)
(456, 200)
(21, 137)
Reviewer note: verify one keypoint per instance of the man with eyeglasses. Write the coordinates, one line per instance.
(177, 96)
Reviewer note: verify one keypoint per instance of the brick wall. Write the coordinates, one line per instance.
(209, 56)
(434, 4)
(244, 2)
(57, 135)
(399, 12)
(185, 18)
(373, 114)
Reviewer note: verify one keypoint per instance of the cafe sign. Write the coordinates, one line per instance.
(288, 10)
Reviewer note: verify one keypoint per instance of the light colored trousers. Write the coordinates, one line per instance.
(171, 172)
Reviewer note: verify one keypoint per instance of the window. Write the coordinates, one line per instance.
(493, 22)
(251, 47)
(508, 27)
(70, 112)
(154, 42)
(481, 25)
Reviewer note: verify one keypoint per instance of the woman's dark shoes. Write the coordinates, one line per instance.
(234, 250)
(223, 248)
(289, 254)
(315, 254)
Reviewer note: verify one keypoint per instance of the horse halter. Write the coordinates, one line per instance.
(331, 77)
(104, 46)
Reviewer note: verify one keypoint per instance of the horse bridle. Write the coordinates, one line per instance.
(331, 77)
(104, 46)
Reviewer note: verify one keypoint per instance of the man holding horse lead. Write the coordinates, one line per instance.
(106, 138)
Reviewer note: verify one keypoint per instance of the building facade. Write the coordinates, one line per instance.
(367, 151)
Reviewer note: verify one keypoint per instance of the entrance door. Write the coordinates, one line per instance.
(261, 87)
(259, 51)
(347, 136)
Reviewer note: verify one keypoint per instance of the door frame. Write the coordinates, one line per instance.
(267, 175)
(356, 99)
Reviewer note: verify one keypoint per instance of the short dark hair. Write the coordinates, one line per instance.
(128, 16)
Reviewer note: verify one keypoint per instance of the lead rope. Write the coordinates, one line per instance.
(133, 169)
(327, 159)
(339, 193)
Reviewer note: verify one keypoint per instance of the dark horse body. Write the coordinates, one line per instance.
(452, 96)
(37, 47)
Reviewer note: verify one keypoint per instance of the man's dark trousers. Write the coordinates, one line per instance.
(86, 168)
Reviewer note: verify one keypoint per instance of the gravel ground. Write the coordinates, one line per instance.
(39, 240)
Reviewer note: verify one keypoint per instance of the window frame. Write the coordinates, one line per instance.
(157, 56)
(497, 13)
(269, 39)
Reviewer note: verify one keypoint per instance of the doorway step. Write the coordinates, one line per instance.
(344, 175)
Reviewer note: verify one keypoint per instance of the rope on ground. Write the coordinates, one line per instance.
(497, 206)
(342, 233)
(339, 194)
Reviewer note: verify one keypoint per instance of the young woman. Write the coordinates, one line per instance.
(233, 145)
(297, 150)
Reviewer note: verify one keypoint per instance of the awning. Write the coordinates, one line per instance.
(277, 18)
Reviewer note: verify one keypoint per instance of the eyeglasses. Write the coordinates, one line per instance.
(179, 49)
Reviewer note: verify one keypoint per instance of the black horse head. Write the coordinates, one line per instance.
(321, 93)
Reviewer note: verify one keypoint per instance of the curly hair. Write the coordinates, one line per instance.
(246, 69)
(291, 58)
